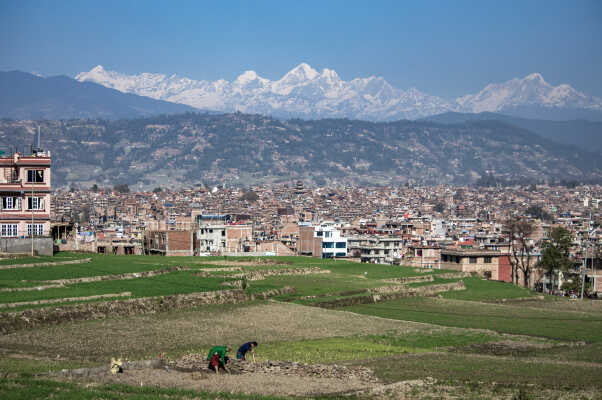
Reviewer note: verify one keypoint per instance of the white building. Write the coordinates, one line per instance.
(333, 244)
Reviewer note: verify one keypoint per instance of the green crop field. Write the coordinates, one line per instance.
(27, 389)
(344, 276)
(560, 325)
(491, 340)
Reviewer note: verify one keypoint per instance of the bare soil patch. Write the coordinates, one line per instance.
(144, 336)
(251, 383)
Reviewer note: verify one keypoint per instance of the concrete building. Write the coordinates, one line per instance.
(422, 256)
(224, 238)
(324, 240)
(484, 262)
(170, 243)
(331, 243)
(25, 188)
(378, 250)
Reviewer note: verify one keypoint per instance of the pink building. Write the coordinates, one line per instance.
(25, 210)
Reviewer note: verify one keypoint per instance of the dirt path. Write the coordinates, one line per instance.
(253, 383)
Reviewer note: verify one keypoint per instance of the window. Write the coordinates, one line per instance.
(473, 260)
(340, 255)
(35, 176)
(328, 245)
(487, 260)
(35, 203)
(319, 233)
(38, 229)
(327, 234)
(11, 203)
(9, 230)
(341, 245)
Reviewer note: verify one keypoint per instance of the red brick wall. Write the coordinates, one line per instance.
(306, 240)
(179, 243)
(504, 269)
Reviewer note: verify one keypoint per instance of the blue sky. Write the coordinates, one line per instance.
(445, 48)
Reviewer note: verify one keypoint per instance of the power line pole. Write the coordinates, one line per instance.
(31, 231)
(585, 258)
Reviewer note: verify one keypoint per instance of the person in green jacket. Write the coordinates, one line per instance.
(217, 358)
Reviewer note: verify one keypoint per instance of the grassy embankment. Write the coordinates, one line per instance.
(572, 333)
(345, 276)
(558, 350)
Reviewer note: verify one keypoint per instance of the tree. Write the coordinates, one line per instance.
(122, 188)
(538, 212)
(94, 188)
(439, 207)
(521, 248)
(250, 196)
(157, 190)
(572, 283)
(555, 252)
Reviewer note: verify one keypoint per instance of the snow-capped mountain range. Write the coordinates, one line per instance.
(306, 93)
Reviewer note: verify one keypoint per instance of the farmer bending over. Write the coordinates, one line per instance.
(217, 358)
(242, 350)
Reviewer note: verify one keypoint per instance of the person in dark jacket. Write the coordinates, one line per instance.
(244, 349)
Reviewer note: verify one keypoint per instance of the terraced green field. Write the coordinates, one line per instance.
(344, 276)
(492, 340)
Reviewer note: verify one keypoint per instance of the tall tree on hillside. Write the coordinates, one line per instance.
(555, 252)
(519, 232)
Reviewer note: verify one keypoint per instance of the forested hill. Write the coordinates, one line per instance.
(188, 149)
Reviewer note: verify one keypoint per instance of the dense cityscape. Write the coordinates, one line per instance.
(309, 200)
(117, 220)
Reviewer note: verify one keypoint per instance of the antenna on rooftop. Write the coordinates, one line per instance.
(37, 149)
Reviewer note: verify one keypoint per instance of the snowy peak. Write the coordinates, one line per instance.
(301, 72)
(249, 77)
(536, 76)
(307, 93)
(531, 91)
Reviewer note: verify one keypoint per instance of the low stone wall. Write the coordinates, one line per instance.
(46, 264)
(31, 288)
(85, 372)
(262, 274)
(11, 322)
(58, 283)
(115, 277)
(518, 299)
(452, 275)
(411, 279)
(403, 291)
(198, 363)
(195, 362)
(64, 300)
